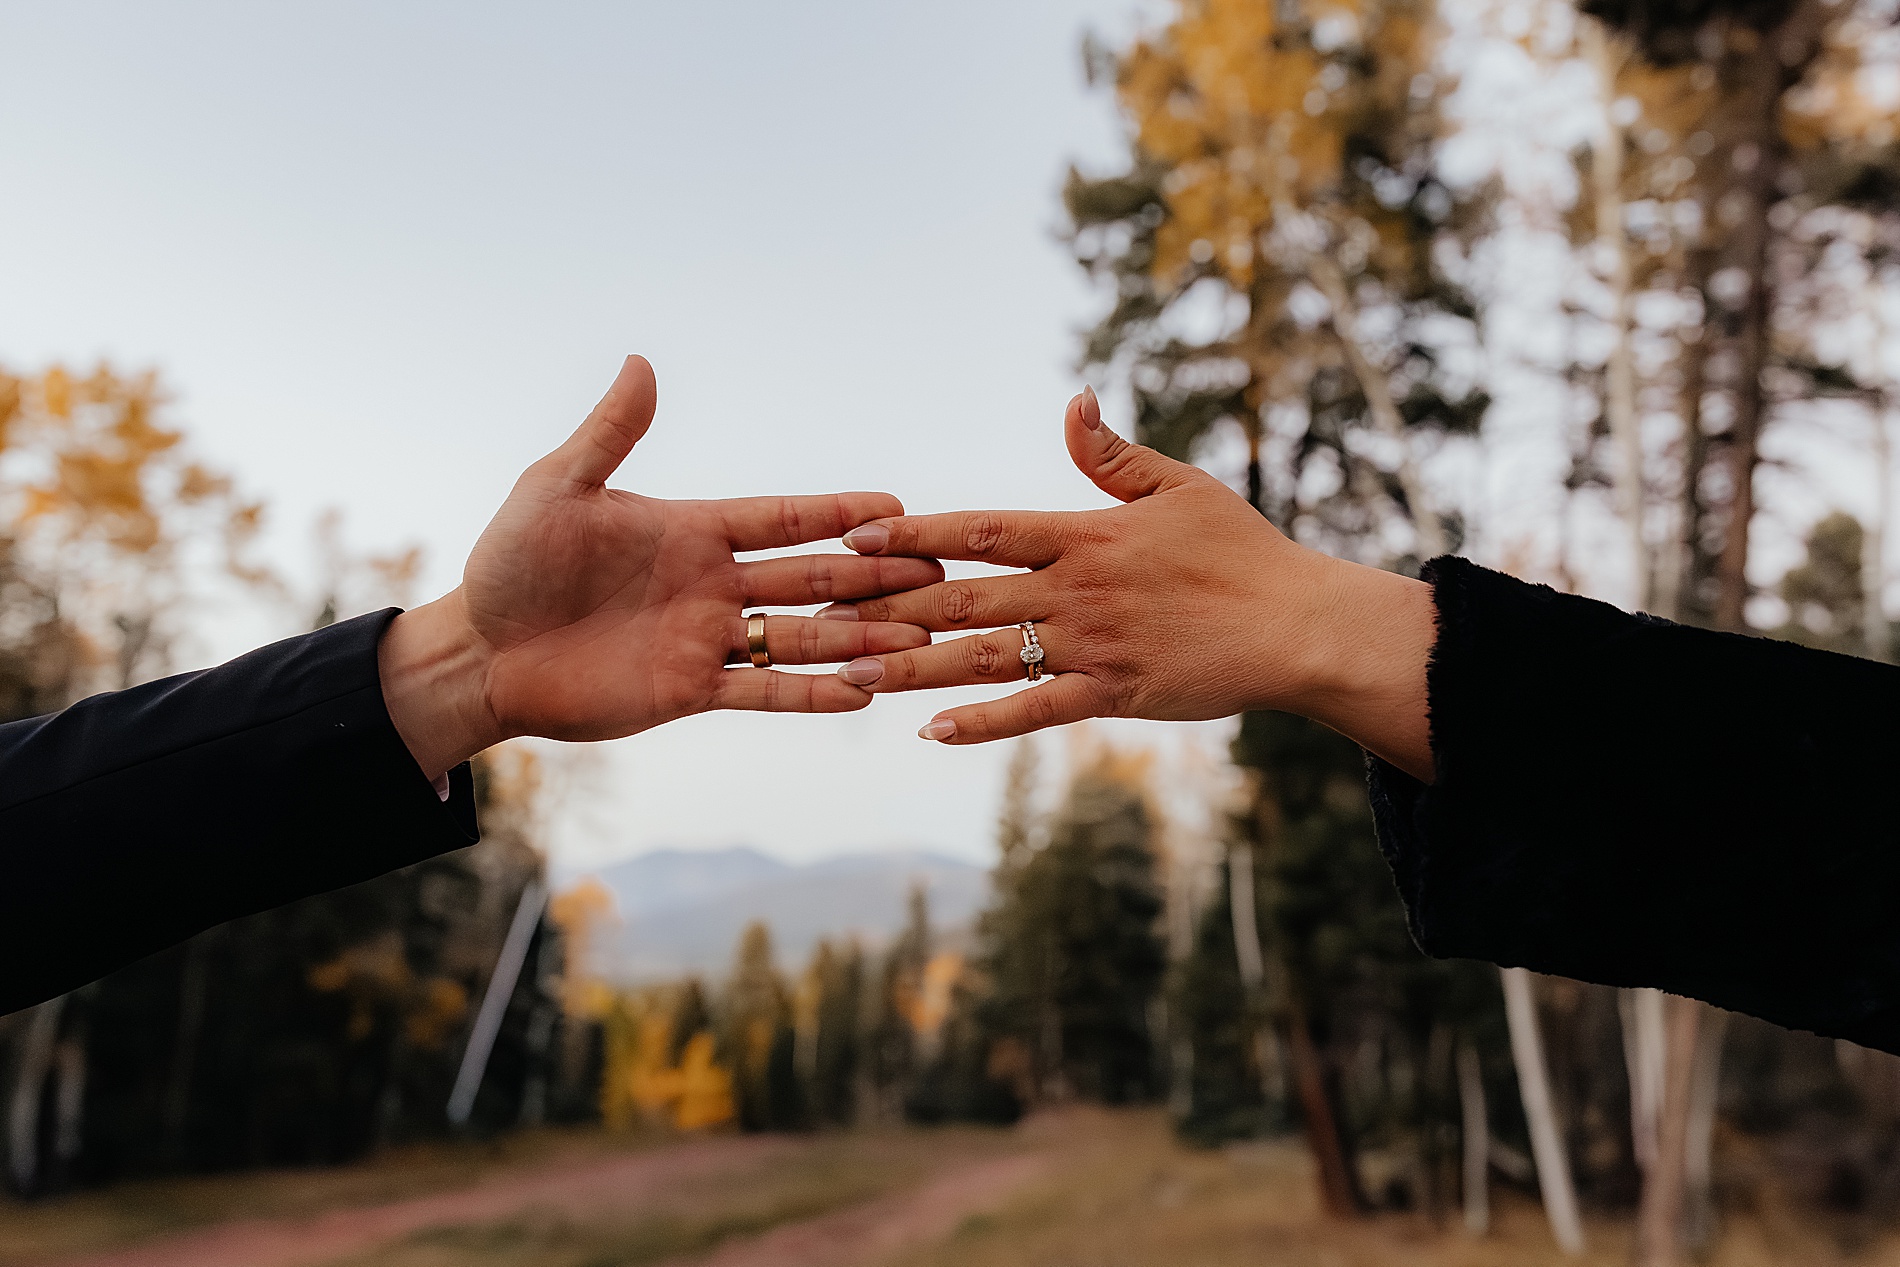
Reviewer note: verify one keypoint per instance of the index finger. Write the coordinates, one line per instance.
(1013, 538)
(766, 523)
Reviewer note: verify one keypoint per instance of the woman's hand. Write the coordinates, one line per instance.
(590, 613)
(1182, 604)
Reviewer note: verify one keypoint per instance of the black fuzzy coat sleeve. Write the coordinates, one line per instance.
(1629, 801)
(132, 820)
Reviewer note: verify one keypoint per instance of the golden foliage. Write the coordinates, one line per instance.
(1253, 119)
(100, 499)
(376, 978)
(582, 913)
(644, 1080)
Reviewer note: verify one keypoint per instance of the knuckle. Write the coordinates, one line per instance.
(819, 577)
(983, 534)
(1038, 707)
(1121, 458)
(959, 603)
(872, 609)
(811, 649)
(788, 518)
(986, 659)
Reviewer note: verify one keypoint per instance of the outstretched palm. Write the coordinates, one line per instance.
(599, 613)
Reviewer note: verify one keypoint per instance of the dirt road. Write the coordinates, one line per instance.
(880, 1229)
(609, 1188)
(604, 1184)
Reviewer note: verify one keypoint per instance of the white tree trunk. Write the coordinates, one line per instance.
(1873, 550)
(494, 1006)
(1645, 1054)
(1619, 402)
(1704, 1097)
(1252, 963)
(1533, 1084)
(1240, 905)
(1477, 1141)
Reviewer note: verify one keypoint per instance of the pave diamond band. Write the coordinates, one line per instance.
(1031, 653)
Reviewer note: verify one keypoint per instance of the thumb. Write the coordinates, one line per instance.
(1124, 471)
(601, 443)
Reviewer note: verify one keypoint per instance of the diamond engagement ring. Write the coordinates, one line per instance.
(1032, 651)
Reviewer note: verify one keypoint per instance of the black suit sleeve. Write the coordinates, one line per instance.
(1629, 801)
(133, 820)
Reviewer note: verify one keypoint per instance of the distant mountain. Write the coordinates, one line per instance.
(682, 910)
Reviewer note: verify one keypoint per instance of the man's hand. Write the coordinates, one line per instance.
(590, 613)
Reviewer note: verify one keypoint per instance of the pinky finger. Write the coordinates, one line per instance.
(769, 691)
(1069, 697)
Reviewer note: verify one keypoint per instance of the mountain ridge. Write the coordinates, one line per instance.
(682, 910)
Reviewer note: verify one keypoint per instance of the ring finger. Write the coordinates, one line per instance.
(981, 658)
(808, 640)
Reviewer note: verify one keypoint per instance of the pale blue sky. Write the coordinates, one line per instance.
(387, 254)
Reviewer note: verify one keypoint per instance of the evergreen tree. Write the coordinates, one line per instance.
(757, 1038)
(830, 1055)
(1826, 604)
(1071, 946)
(889, 1053)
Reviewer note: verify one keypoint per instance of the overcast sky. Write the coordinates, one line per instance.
(387, 254)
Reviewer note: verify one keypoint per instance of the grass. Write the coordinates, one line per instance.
(1127, 1195)
(32, 1232)
(1115, 1190)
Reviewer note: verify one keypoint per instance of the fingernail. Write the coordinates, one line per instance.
(862, 672)
(868, 539)
(940, 729)
(1091, 409)
(839, 611)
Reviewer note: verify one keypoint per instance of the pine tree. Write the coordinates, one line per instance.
(756, 1038)
(889, 1050)
(1071, 947)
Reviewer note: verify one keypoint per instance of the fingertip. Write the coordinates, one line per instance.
(838, 611)
(869, 506)
(868, 538)
(938, 730)
(1090, 408)
(835, 695)
(636, 375)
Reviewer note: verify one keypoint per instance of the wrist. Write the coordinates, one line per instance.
(434, 672)
(1360, 664)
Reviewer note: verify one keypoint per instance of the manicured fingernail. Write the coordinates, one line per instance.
(869, 539)
(839, 611)
(862, 672)
(1091, 409)
(940, 729)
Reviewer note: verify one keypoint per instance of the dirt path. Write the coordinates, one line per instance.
(579, 1189)
(618, 1186)
(878, 1229)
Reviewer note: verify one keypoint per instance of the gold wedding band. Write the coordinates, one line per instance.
(755, 642)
